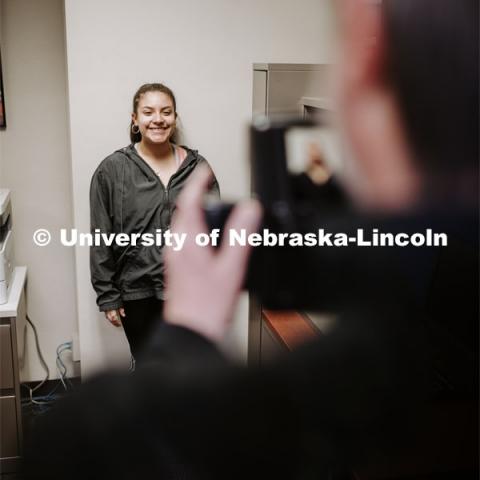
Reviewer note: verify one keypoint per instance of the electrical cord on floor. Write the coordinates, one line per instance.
(44, 365)
(39, 404)
(61, 368)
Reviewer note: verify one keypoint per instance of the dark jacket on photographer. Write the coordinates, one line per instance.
(358, 389)
(126, 196)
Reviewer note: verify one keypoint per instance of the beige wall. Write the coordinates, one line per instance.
(35, 165)
(1, 131)
(204, 51)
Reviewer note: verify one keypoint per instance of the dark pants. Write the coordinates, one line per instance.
(141, 317)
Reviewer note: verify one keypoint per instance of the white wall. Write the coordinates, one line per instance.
(1, 136)
(204, 51)
(35, 165)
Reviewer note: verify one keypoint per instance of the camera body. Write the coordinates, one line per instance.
(279, 160)
(271, 180)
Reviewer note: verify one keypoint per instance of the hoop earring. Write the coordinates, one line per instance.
(135, 130)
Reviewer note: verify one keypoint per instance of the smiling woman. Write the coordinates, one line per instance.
(133, 191)
(153, 127)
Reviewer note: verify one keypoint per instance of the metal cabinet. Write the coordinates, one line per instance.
(280, 88)
(12, 315)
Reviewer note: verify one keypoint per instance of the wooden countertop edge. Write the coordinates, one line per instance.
(291, 328)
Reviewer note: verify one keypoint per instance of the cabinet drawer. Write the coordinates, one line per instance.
(9, 430)
(6, 358)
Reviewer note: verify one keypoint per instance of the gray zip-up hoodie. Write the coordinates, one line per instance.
(126, 196)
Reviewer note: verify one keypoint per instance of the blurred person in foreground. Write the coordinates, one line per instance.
(406, 334)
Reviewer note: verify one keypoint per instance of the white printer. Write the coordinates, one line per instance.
(6, 244)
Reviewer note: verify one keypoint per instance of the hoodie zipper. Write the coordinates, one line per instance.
(166, 189)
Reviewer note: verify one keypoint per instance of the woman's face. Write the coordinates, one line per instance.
(155, 117)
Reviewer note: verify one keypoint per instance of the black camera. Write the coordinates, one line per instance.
(288, 157)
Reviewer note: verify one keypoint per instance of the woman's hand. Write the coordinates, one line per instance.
(203, 283)
(113, 316)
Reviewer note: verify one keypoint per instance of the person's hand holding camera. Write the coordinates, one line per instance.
(202, 282)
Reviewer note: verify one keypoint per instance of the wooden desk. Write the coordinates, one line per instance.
(290, 328)
(277, 332)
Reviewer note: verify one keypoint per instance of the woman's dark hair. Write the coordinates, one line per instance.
(432, 64)
(151, 87)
